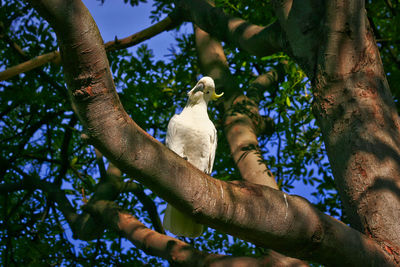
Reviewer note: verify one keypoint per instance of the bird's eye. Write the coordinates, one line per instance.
(207, 92)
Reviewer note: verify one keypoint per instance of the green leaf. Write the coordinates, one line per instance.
(288, 101)
(74, 161)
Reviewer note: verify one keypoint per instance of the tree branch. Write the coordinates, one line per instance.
(29, 65)
(164, 25)
(255, 213)
(242, 117)
(256, 40)
(83, 226)
(100, 163)
(354, 108)
(64, 153)
(148, 204)
(360, 124)
(114, 176)
(41, 73)
(172, 249)
(301, 24)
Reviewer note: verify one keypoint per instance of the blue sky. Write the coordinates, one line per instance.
(115, 18)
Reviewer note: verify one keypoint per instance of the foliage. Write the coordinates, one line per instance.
(41, 137)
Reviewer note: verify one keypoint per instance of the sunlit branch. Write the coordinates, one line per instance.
(164, 25)
(29, 65)
(43, 75)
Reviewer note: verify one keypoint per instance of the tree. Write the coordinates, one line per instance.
(49, 167)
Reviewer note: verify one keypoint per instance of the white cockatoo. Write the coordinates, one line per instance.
(193, 136)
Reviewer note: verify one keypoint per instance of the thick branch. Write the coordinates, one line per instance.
(83, 225)
(258, 214)
(300, 22)
(257, 40)
(242, 117)
(172, 249)
(113, 175)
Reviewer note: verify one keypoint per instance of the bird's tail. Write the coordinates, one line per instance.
(179, 224)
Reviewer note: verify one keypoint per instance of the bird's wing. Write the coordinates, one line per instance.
(172, 140)
(213, 148)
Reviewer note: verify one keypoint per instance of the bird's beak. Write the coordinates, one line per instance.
(197, 88)
(215, 96)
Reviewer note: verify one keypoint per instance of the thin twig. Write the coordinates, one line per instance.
(163, 25)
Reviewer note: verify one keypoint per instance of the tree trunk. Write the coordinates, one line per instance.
(354, 108)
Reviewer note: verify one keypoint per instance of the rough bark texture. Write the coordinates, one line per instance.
(301, 25)
(360, 125)
(355, 111)
(255, 213)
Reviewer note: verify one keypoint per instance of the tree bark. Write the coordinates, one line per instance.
(286, 223)
(29, 65)
(256, 40)
(242, 117)
(354, 108)
(174, 250)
